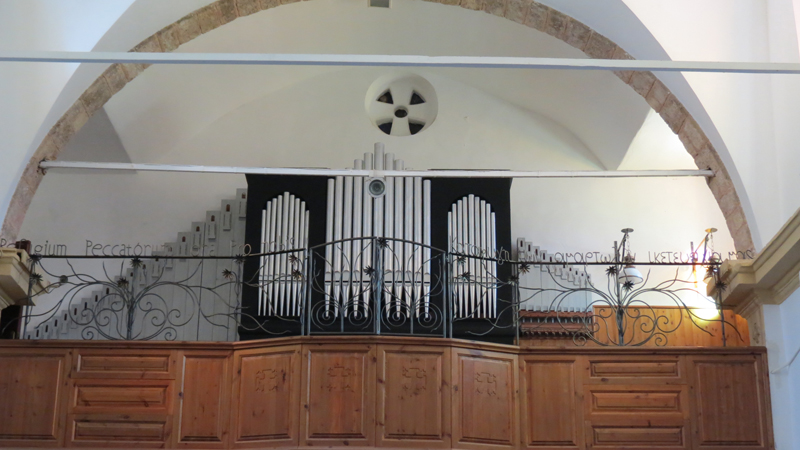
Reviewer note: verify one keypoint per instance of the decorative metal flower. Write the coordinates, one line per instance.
(465, 276)
(36, 277)
(513, 280)
(136, 262)
(239, 259)
(294, 259)
(383, 243)
(721, 286)
(524, 267)
(297, 275)
(627, 286)
(228, 274)
(122, 282)
(461, 260)
(369, 271)
(611, 270)
(36, 257)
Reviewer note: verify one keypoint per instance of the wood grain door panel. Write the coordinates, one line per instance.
(119, 430)
(267, 397)
(132, 363)
(732, 404)
(203, 417)
(551, 404)
(637, 416)
(339, 399)
(413, 396)
(484, 399)
(32, 390)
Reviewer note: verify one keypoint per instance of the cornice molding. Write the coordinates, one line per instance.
(14, 277)
(768, 279)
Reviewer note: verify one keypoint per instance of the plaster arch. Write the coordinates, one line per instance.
(527, 12)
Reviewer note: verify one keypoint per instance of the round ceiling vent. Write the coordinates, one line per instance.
(401, 105)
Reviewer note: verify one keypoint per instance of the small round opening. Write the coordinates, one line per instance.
(400, 112)
(376, 187)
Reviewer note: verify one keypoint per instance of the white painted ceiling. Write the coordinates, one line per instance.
(167, 106)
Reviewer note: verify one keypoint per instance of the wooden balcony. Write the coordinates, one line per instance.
(377, 391)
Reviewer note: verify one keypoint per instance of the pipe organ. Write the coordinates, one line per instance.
(471, 228)
(401, 214)
(550, 276)
(285, 227)
(202, 315)
(414, 221)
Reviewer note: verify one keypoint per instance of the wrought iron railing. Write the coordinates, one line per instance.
(350, 286)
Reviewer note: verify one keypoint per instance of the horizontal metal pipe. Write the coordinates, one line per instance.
(488, 62)
(377, 173)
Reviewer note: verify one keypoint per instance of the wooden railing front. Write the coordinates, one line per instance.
(380, 391)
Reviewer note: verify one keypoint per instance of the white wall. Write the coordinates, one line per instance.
(28, 90)
(753, 113)
(780, 326)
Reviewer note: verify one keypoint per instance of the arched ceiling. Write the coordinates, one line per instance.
(167, 105)
(612, 17)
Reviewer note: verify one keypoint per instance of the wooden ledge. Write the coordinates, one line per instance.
(769, 278)
(410, 341)
(14, 277)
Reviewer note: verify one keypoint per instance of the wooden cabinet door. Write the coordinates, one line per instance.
(636, 402)
(731, 402)
(338, 395)
(32, 388)
(265, 410)
(550, 393)
(485, 411)
(413, 396)
(202, 420)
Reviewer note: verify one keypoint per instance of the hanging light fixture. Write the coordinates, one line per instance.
(629, 273)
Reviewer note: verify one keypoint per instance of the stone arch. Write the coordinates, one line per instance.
(526, 12)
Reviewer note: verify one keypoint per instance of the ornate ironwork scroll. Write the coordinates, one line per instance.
(362, 285)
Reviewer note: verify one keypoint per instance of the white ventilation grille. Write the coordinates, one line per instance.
(402, 105)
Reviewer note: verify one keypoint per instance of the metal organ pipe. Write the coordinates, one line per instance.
(285, 223)
(472, 233)
(357, 245)
(402, 213)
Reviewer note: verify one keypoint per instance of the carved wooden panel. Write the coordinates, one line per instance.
(139, 396)
(413, 396)
(484, 399)
(119, 430)
(203, 416)
(133, 363)
(732, 406)
(266, 397)
(638, 437)
(339, 400)
(637, 416)
(634, 369)
(551, 406)
(31, 392)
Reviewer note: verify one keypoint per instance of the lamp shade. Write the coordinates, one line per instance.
(630, 273)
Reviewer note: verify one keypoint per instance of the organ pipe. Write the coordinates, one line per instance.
(402, 213)
(472, 233)
(285, 222)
